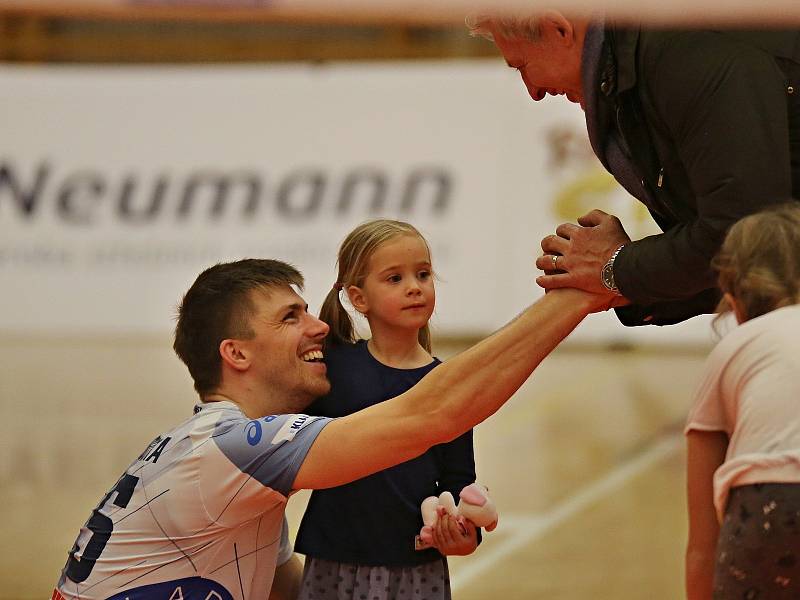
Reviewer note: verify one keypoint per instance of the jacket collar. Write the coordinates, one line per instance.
(622, 43)
(593, 72)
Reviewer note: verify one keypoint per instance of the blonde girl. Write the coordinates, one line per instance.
(359, 538)
(743, 431)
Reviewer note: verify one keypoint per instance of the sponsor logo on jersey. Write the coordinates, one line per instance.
(253, 431)
(289, 429)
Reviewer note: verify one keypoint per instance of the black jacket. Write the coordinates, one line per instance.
(705, 118)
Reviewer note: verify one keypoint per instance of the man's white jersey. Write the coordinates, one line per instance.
(198, 515)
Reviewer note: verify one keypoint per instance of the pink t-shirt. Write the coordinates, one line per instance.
(751, 390)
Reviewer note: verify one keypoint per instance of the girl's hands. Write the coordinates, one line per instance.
(452, 537)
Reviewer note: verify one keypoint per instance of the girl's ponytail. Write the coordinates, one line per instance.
(337, 318)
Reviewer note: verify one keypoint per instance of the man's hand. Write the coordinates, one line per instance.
(575, 256)
(453, 539)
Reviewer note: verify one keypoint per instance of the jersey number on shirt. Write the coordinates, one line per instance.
(101, 526)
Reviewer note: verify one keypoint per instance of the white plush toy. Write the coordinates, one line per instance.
(474, 505)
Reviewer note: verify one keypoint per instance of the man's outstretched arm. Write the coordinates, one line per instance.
(448, 401)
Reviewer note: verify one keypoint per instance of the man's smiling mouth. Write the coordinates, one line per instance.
(313, 356)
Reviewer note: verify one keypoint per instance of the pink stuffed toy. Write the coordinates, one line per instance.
(475, 505)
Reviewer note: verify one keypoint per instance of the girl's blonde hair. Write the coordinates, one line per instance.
(759, 261)
(353, 263)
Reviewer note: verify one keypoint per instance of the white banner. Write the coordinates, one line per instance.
(118, 185)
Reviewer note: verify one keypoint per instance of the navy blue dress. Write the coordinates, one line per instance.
(373, 521)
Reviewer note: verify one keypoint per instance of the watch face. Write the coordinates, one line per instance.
(607, 276)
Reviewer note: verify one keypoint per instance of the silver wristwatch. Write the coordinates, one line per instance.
(607, 273)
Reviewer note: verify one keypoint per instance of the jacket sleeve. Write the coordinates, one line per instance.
(724, 108)
(669, 313)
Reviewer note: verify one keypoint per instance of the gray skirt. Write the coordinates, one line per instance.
(330, 580)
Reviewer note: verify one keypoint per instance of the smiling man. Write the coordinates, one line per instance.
(701, 126)
(200, 513)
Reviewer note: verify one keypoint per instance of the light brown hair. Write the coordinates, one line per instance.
(759, 261)
(353, 264)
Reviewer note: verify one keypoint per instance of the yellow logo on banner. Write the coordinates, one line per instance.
(586, 185)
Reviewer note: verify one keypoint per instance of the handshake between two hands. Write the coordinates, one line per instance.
(575, 255)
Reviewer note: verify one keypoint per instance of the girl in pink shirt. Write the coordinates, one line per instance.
(743, 431)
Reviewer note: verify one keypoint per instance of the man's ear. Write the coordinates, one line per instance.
(357, 298)
(555, 27)
(234, 354)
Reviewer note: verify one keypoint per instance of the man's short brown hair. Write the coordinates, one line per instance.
(218, 307)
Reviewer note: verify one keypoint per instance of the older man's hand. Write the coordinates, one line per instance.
(575, 255)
